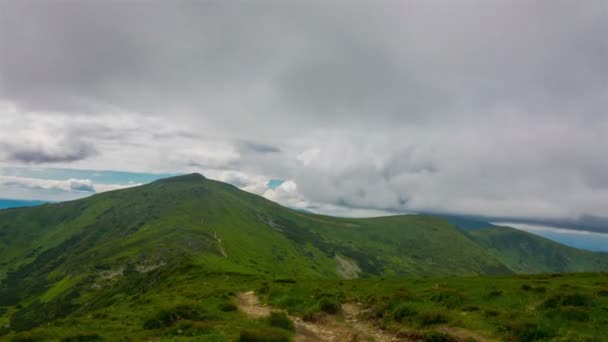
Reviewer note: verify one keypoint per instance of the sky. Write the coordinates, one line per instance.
(495, 108)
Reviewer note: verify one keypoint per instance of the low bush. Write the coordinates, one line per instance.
(572, 313)
(280, 320)
(402, 312)
(264, 335)
(470, 308)
(491, 313)
(330, 306)
(568, 299)
(523, 331)
(436, 336)
(448, 297)
(82, 338)
(494, 294)
(428, 318)
(227, 307)
(167, 317)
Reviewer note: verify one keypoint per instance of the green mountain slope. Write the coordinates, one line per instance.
(228, 230)
(528, 253)
(59, 259)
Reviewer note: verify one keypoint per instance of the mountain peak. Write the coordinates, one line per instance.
(192, 177)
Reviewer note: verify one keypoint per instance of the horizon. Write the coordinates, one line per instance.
(567, 233)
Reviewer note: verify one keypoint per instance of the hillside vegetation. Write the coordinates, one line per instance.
(190, 244)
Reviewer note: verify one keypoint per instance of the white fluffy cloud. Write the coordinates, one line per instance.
(49, 189)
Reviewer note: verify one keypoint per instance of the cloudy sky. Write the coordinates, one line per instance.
(473, 107)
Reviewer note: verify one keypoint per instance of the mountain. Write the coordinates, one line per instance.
(57, 259)
(12, 203)
(523, 252)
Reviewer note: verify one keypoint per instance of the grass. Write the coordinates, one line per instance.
(193, 304)
(500, 307)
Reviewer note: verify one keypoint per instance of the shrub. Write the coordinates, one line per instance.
(330, 306)
(494, 294)
(528, 331)
(491, 313)
(167, 317)
(263, 335)
(402, 312)
(285, 281)
(448, 297)
(572, 313)
(280, 320)
(377, 311)
(402, 294)
(570, 299)
(436, 336)
(227, 307)
(431, 318)
(470, 308)
(82, 338)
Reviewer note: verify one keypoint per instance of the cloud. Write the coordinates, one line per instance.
(65, 152)
(53, 190)
(256, 147)
(465, 106)
(79, 185)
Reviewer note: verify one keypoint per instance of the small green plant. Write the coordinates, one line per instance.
(494, 294)
(167, 317)
(569, 299)
(491, 313)
(572, 313)
(428, 318)
(82, 338)
(402, 312)
(448, 297)
(227, 307)
(436, 336)
(266, 334)
(470, 308)
(523, 331)
(330, 306)
(280, 320)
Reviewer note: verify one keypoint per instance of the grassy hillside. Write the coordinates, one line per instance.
(528, 253)
(190, 304)
(136, 247)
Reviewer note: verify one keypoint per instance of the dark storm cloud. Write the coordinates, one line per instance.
(342, 60)
(465, 106)
(40, 155)
(256, 147)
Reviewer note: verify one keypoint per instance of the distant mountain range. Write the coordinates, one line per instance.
(12, 203)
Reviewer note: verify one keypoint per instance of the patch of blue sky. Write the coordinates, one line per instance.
(10, 203)
(274, 183)
(581, 239)
(98, 177)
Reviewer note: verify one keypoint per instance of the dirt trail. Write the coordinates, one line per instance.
(329, 328)
(219, 244)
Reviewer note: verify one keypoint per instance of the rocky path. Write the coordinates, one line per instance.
(330, 328)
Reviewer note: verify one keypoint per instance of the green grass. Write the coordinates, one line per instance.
(570, 306)
(189, 304)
